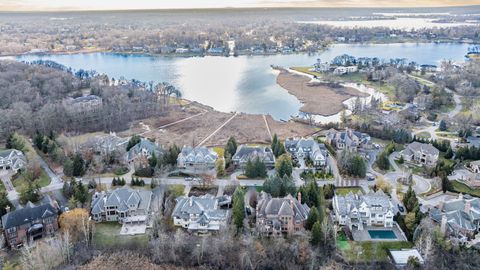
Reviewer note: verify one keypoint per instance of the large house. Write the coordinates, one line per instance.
(200, 214)
(301, 148)
(144, 150)
(358, 210)
(84, 103)
(121, 204)
(12, 160)
(29, 223)
(348, 139)
(106, 144)
(458, 217)
(276, 216)
(247, 153)
(196, 158)
(421, 153)
(474, 167)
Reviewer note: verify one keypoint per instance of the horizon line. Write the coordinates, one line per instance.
(229, 8)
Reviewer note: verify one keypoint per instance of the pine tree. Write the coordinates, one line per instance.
(38, 140)
(312, 218)
(78, 165)
(238, 208)
(316, 233)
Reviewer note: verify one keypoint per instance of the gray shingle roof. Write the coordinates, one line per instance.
(206, 205)
(27, 215)
(245, 153)
(423, 147)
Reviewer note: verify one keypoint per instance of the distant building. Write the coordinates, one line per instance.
(106, 144)
(216, 50)
(459, 218)
(30, 223)
(301, 148)
(251, 153)
(421, 153)
(348, 139)
(121, 204)
(474, 166)
(276, 216)
(12, 159)
(321, 67)
(201, 214)
(182, 50)
(358, 210)
(400, 257)
(85, 103)
(144, 149)
(345, 70)
(196, 158)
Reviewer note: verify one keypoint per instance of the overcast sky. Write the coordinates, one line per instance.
(26, 5)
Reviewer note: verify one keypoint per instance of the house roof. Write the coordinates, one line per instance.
(286, 206)
(245, 153)
(423, 148)
(400, 257)
(197, 155)
(122, 198)
(206, 206)
(457, 214)
(345, 204)
(27, 214)
(146, 144)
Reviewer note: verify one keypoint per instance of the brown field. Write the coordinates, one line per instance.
(317, 98)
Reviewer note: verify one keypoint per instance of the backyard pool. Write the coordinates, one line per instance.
(382, 234)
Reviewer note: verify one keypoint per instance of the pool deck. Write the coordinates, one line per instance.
(363, 235)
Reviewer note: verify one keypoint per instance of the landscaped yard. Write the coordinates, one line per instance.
(369, 251)
(42, 181)
(423, 135)
(462, 188)
(342, 191)
(107, 235)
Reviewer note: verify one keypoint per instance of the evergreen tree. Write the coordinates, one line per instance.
(238, 208)
(449, 153)
(4, 202)
(231, 147)
(15, 142)
(446, 184)
(38, 140)
(312, 218)
(442, 126)
(316, 233)
(284, 165)
(382, 161)
(152, 161)
(68, 167)
(134, 140)
(78, 165)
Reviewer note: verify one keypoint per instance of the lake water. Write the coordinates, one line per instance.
(394, 23)
(245, 83)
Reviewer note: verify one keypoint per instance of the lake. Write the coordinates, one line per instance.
(245, 83)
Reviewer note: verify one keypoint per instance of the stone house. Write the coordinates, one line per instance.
(301, 148)
(348, 140)
(247, 153)
(144, 150)
(277, 216)
(421, 153)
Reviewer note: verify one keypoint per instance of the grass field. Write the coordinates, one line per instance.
(423, 135)
(462, 188)
(107, 235)
(342, 191)
(42, 181)
(369, 251)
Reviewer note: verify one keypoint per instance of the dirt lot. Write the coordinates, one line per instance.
(203, 121)
(316, 98)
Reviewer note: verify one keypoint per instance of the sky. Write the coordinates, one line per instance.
(48, 5)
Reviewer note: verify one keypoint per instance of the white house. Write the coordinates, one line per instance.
(200, 214)
(301, 148)
(345, 70)
(12, 159)
(358, 210)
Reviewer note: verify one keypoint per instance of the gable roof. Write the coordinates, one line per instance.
(27, 214)
(428, 149)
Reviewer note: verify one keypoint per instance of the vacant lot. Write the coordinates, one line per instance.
(317, 98)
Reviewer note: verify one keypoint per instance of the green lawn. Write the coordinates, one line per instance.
(107, 236)
(462, 188)
(423, 135)
(307, 70)
(369, 251)
(2, 187)
(43, 180)
(342, 191)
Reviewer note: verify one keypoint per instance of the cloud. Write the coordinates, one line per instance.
(26, 5)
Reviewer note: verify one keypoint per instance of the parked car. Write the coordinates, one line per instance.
(188, 179)
(401, 208)
(370, 177)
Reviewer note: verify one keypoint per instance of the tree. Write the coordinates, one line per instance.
(312, 218)
(78, 225)
(170, 157)
(4, 202)
(279, 186)
(134, 140)
(446, 184)
(382, 161)
(284, 166)
(277, 146)
(316, 233)
(238, 209)
(30, 193)
(78, 166)
(442, 126)
(401, 160)
(220, 167)
(231, 146)
(410, 199)
(152, 161)
(15, 142)
(449, 153)
(255, 169)
(38, 139)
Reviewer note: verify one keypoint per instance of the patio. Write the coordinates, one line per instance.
(134, 225)
(368, 231)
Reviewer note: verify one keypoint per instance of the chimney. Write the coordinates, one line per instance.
(7, 209)
(443, 224)
(299, 197)
(468, 206)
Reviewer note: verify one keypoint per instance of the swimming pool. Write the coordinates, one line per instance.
(382, 234)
